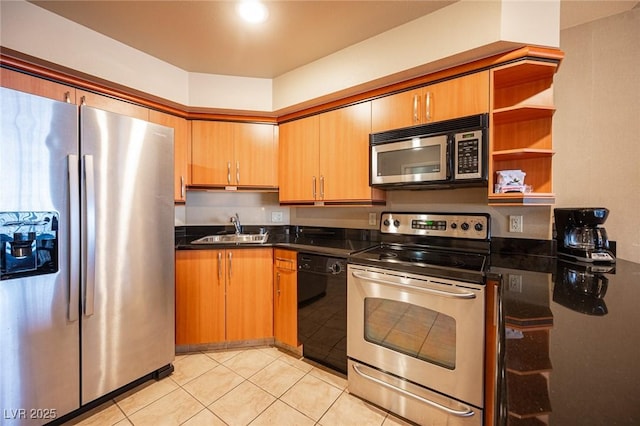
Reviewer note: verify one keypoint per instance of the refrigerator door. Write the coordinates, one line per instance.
(127, 298)
(39, 327)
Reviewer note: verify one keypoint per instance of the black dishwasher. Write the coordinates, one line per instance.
(322, 309)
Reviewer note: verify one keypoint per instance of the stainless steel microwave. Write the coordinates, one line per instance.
(439, 155)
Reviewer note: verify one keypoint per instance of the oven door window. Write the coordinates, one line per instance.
(412, 330)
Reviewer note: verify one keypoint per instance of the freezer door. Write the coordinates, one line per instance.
(39, 329)
(128, 244)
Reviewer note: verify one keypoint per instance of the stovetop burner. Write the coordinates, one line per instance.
(443, 245)
(414, 255)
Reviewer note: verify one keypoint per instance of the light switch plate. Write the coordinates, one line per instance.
(373, 218)
(277, 217)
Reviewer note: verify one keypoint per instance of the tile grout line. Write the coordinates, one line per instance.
(290, 360)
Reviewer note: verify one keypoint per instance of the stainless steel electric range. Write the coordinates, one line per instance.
(416, 309)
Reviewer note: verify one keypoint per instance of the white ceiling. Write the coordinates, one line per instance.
(208, 37)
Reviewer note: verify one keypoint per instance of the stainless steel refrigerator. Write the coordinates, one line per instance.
(87, 263)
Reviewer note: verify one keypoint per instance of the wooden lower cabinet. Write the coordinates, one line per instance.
(249, 294)
(223, 295)
(200, 291)
(285, 297)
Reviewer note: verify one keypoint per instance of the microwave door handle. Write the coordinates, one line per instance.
(450, 158)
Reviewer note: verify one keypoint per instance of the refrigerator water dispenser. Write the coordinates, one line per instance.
(29, 243)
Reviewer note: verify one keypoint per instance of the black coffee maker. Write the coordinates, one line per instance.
(580, 236)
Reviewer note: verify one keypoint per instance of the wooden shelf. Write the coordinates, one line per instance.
(522, 113)
(533, 198)
(521, 154)
(522, 72)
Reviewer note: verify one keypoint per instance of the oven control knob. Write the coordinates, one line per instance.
(478, 227)
(386, 222)
(396, 223)
(454, 225)
(465, 226)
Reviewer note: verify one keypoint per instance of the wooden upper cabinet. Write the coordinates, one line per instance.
(211, 153)
(181, 150)
(111, 104)
(396, 111)
(454, 98)
(37, 86)
(344, 154)
(325, 158)
(299, 160)
(256, 155)
(233, 154)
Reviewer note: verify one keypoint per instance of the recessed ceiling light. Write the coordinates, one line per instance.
(252, 11)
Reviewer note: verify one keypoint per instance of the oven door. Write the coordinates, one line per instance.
(427, 331)
(414, 160)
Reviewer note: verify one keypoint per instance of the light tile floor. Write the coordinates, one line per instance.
(257, 386)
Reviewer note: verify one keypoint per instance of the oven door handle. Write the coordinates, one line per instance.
(466, 412)
(455, 295)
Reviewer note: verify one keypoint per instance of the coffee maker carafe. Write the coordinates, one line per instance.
(580, 236)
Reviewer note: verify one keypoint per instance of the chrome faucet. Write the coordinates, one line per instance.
(236, 222)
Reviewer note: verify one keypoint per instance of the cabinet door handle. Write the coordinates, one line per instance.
(278, 282)
(313, 180)
(182, 187)
(230, 262)
(219, 266)
(428, 106)
(67, 97)
(322, 187)
(237, 172)
(229, 172)
(416, 104)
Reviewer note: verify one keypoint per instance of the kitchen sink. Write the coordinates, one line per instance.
(232, 239)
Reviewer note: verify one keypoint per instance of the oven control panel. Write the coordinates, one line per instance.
(453, 225)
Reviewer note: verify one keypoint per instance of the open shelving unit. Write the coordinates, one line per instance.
(522, 109)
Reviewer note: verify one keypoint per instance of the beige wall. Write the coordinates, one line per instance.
(597, 124)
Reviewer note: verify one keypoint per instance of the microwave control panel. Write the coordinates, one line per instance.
(468, 155)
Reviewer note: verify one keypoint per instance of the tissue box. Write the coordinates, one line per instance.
(510, 181)
(510, 177)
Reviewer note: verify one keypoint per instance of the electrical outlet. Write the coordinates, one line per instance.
(373, 218)
(276, 217)
(515, 224)
(515, 283)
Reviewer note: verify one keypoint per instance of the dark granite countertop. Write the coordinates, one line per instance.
(339, 242)
(572, 342)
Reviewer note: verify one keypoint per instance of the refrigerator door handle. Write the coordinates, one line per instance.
(90, 235)
(74, 238)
